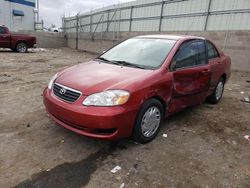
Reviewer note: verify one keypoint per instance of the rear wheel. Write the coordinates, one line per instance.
(148, 121)
(21, 47)
(218, 92)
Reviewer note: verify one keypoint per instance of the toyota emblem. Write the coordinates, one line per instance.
(62, 91)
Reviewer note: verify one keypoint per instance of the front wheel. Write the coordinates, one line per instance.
(21, 47)
(148, 121)
(218, 92)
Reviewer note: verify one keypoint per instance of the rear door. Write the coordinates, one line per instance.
(4, 38)
(215, 63)
(191, 75)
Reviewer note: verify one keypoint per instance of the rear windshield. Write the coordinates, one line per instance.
(147, 52)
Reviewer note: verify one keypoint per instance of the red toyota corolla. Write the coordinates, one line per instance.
(131, 88)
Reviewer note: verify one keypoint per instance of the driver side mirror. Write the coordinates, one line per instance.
(173, 65)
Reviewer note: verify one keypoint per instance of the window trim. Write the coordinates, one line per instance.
(3, 30)
(208, 41)
(190, 67)
(193, 66)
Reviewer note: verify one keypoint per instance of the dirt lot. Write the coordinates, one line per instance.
(205, 146)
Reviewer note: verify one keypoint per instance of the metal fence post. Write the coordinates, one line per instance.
(131, 18)
(207, 14)
(77, 30)
(102, 25)
(90, 26)
(63, 24)
(114, 26)
(119, 23)
(107, 29)
(160, 21)
(113, 35)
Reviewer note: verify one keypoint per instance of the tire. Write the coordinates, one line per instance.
(218, 92)
(153, 111)
(21, 47)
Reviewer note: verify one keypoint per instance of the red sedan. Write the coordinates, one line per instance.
(131, 88)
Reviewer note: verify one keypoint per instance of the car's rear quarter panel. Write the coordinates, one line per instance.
(15, 39)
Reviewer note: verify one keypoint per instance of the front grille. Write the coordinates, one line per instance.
(66, 93)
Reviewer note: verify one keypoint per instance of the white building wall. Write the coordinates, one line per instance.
(4, 13)
(15, 23)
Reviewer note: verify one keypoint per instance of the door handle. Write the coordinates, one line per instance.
(218, 62)
(206, 71)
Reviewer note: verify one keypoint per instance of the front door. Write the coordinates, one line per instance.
(191, 75)
(4, 38)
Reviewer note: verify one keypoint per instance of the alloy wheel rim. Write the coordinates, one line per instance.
(22, 47)
(150, 121)
(219, 90)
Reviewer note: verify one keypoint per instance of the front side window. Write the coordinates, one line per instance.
(191, 54)
(145, 52)
(211, 51)
(2, 30)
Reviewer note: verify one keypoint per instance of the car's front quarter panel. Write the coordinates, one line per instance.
(157, 85)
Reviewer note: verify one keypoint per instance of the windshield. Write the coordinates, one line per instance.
(144, 52)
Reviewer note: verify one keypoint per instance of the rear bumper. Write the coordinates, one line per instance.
(109, 123)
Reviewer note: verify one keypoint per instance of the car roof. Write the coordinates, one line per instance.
(171, 37)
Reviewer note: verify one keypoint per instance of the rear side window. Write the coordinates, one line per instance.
(211, 51)
(192, 53)
(2, 30)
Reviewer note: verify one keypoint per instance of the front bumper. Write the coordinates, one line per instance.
(110, 123)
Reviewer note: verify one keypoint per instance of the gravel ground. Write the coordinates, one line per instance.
(204, 147)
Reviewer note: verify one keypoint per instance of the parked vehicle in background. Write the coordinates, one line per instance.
(16, 42)
(54, 29)
(131, 88)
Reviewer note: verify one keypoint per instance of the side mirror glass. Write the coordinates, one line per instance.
(173, 65)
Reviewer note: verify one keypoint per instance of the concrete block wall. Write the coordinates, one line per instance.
(236, 44)
(48, 40)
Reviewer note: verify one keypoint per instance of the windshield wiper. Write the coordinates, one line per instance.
(108, 61)
(103, 59)
(125, 63)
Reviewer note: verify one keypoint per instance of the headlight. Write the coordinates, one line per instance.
(51, 82)
(107, 98)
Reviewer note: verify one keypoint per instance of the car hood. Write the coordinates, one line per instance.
(93, 77)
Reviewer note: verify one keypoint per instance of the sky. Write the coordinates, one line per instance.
(52, 11)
